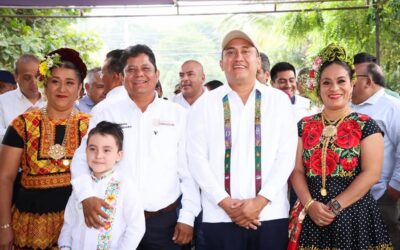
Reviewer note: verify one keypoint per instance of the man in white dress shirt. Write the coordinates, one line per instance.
(154, 147)
(369, 97)
(241, 149)
(25, 97)
(112, 75)
(283, 77)
(191, 81)
(263, 74)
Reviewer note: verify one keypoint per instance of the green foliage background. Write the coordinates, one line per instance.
(297, 37)
(293, 37)
(39, 36)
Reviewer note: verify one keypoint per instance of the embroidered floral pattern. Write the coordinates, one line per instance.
(342, 153)
(105, 235)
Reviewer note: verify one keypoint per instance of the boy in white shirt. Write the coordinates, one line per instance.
(125, 225)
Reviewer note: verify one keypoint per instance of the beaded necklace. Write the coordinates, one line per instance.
(57, 151)
(228, 142)
(329, 134)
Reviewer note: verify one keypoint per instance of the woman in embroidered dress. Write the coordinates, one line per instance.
(339, 158)
(42, 142)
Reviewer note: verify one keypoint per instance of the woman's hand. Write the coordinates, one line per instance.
(320, 214)
(6, 238)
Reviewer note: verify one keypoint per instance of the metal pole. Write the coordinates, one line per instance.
(377, 31)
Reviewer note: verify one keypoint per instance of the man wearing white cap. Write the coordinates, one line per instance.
(241, 149)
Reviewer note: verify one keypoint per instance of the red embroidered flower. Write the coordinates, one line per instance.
(307, 164)
(349, 164)
(307, 118)
(311, 134)
(316, 161)
(363, 117)
(349, 134)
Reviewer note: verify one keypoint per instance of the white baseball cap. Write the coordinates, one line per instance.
(237, 34)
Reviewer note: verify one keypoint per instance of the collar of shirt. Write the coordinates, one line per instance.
(374, 98)
(153, 103)
(21, 95)
(104, 176)
(86, 99)
(115, 91)
(227, 90)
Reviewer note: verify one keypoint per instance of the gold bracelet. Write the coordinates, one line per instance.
(5, 226)
(308, 204)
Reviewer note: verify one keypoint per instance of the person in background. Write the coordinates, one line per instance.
(112, 76)
(25, 97)
(7, 81)
(263, 74)
(159, 89)
(213, 84)
(42, 142)
(241, 146)
(125, 225)
(302, 78)
(177, 89)
(283, 77)
(362, 58)
(369, 97)
(339, 158)
(191, 85)
(94, 91)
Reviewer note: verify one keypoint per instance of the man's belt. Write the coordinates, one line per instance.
(162, 211)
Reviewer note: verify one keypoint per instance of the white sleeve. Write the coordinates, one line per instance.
(70, 220)
(190, 190)
(285, 157)
(81, 180)
(3, 125)
(133, 216)
(197, 152)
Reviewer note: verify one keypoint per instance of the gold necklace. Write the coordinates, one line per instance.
(328, 135)
(57, 151)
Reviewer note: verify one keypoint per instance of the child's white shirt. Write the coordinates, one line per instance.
(128, 224)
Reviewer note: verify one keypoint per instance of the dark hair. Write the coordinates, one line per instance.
(265, 64)
(134, 51)
(68, 55)
(213, 84)
(109, 128)
(115, 65)
(25, 58)
(347, 67)
(70, 65)
(279, 67)
(364, 57)
(376, 74)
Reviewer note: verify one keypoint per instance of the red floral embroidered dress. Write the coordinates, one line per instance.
(359, 226)
(38, 212)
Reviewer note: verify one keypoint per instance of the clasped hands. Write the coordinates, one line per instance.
(321, 214)
(245, 213)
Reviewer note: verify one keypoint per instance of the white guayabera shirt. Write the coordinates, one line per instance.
(12, 104)
(206, 150)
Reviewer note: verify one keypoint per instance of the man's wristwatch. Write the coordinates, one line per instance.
(335, 206)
